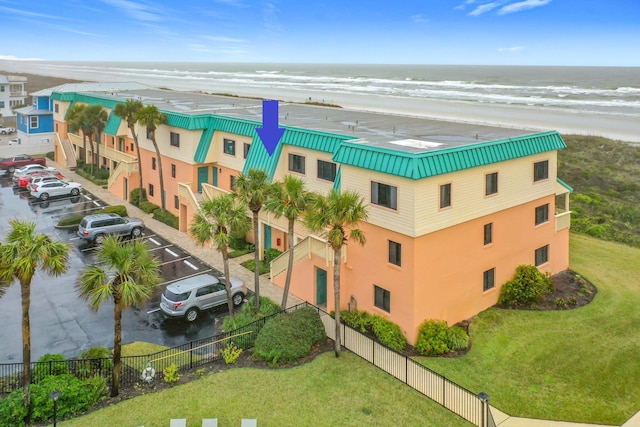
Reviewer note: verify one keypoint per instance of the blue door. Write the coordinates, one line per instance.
(321, 286)
(203, 176)
(267, 237)
(215, 177)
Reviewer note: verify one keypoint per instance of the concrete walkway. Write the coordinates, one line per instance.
(214, 259)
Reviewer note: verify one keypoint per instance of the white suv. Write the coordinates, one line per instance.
(188, 297)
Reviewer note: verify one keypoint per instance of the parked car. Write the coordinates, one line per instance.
(45, 190)
(6, 130)
(28, 181)
(94, 228)
(188, 297)
(10, 164)
(30, 170)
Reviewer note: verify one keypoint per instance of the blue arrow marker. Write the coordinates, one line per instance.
(270, 133)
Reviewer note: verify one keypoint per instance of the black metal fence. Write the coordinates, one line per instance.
(152, 367)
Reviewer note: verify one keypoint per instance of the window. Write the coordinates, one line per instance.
(445, 196)
(382, 298)
(55, 108)
(542, 255)
(541, 170)
(491, 184)
(176, 202)
(173, 170)
(232, 183)
(384, 195)
(151, 190)
(175, 139)
(326, 170)
(246, 149)
(542, 214)
(132, 146)
(33, 122)
(395, 253)
(153, 163)
(296, 163)
(205, 290)
(149, 134)
(488, 279)
(488, 233)
(229, 147)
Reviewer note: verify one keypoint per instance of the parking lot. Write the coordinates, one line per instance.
(63, 323)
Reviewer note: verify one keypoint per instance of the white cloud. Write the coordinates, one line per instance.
(137, 11)
(15, 58)
(522, 5)
(511, 49)
(484, 8)
(419, 19)
(464, 5)
(26, 13)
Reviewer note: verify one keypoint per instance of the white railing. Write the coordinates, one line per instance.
(563, 220)
(123, 167)
(209, 191)
(304, 249)
(105, 150)
(184, 191)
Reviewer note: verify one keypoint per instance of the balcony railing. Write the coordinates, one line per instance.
(305, 249)
(563, 220)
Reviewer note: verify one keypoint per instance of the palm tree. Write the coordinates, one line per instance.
(217, 219)
(20, 256)
(150, 117)
(96, 119)
(128, 112)
(340, 213)
(125, 273)
(77, 120)
(290, 200)
(253, 189)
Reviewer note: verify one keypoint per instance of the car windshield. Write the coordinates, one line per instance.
(175, 297)
(83, 223)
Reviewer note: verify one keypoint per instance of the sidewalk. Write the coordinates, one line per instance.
(214, 259)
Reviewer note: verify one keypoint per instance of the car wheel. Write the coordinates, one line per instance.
(99, 239)
(75, 192)
(237, 299)
(136, 232)
(191, 315)
(12, 169)
(44, 196)
(44, 205)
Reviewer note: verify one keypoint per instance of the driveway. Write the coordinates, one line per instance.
(63, 323)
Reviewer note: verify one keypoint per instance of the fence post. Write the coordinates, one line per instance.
(190, 354)
(484, 397)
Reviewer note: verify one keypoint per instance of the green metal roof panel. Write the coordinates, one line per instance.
(259, 158)
(113, 124)
(336, 183)
(437, 162)
(565, 185)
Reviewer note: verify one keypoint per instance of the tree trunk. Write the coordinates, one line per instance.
(93, 153)
(84, 148)
(117, 345)
(97, 153)
(26, 347)
(227, 278)
(256, 273)
(287, 282)
(337, 255)
(135, 138)
(155, 145)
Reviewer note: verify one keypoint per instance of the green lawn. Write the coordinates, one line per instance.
(579, 365)
(326, 392)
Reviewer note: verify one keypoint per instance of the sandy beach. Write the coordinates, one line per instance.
(535, 119)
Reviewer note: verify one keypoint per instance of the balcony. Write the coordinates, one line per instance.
(563, 220)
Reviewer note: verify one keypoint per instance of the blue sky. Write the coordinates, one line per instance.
(492, 32)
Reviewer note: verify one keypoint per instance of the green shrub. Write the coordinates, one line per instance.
(433, 338)
(289, 337)
(572, 301)
(231, 353)
(561, 303)
(95, 360)
(271, 254)
(526, 288)
(133, 196)
(148, 207)
(166, 217)
(50, 364)
(12, 412)
(248, 314)
(76, 396)
(171, 374)
(51, 155)
(237, 242)
(357, 319)
(385, 331)
(75, 219)
(250, 265)
(458, 338)
(116, 209)
(70, 220)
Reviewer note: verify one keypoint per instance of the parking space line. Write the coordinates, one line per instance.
(184, 277)
(191, 265)
(153, 311)
(95, 202)
(161, 247)
(154, 241)
(173, 261)
(171, 252)
(87, 197)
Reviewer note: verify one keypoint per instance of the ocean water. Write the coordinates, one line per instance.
(599, 90)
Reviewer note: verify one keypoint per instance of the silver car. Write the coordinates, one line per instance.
(188, 297)
(94, 228)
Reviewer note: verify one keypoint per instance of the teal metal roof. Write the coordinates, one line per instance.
(259, 158)
(336, 183)
(113, 124)
(565, 185)
(437, 162)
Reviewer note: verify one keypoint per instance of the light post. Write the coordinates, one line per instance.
(55, 394)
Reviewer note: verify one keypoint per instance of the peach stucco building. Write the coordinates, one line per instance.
(453, 208)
